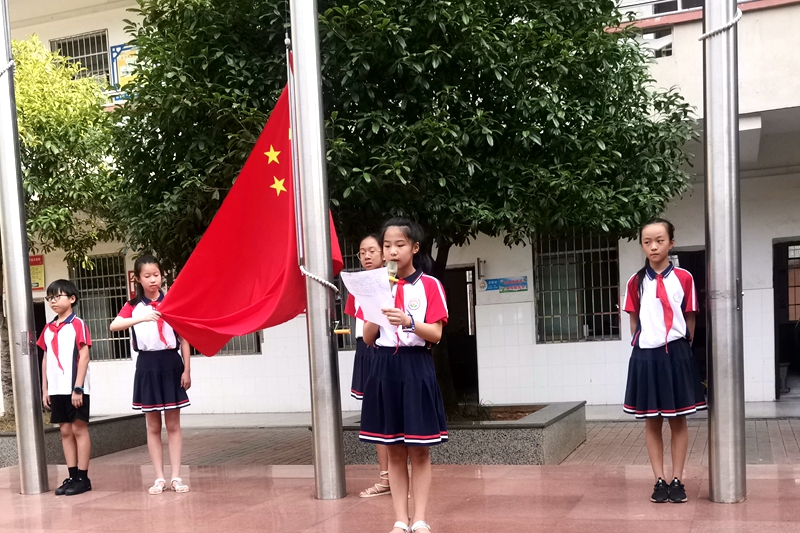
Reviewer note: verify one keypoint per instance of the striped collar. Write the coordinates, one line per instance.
(666, 272)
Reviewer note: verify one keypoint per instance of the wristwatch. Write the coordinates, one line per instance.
(413, 327)
(78, 390)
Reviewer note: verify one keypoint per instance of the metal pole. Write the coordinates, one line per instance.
(19, 304)
(726, 437)
(326, 409)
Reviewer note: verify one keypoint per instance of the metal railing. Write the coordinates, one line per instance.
(103, 291)
(576, 281)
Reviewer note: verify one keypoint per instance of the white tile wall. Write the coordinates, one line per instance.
(275, 381)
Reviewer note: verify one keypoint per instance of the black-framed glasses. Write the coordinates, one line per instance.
(54, 297)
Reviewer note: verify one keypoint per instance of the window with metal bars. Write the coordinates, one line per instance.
(577, 288)
(103, 290)
(794, 282)
(90, 50)
(351, 264)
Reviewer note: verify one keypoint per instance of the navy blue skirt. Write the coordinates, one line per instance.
(157, 383)
(360, 369)
(664, 382)
(402, 400)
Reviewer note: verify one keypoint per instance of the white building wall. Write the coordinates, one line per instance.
(765, 66)
(55, 19)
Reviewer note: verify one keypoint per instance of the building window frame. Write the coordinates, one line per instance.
(103, 290)
(577, 288)
(90, 49)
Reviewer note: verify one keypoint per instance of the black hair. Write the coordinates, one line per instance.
(378, 238)
(142, 260)
(670, 231)
(414, 233)
(63, 286)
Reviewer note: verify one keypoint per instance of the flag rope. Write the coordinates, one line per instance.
(8, 67)
(318, 279)
(726, 27)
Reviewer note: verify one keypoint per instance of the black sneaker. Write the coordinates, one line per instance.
(660, 492)
(79, 486)
(677, 494)
(64, 486)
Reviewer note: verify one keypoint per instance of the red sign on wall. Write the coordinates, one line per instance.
(131, 285)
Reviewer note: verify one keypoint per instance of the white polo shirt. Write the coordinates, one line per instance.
(656, 327)
(149, 336)
(424, 299)
(61, 344)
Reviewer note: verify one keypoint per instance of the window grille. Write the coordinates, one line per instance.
(103, 291)
(351, 264)
(243, 345)
(658, 42)
(90, 50)
(577, 288)
(794, 282)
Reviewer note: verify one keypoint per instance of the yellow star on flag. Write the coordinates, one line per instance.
(272, 155)
(278, 186)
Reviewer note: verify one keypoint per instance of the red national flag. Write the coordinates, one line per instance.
(244, 276)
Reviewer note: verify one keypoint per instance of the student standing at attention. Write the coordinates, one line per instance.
(162, 373)
(663, 380)
(65, 383)
(402, 405)
(370, 254)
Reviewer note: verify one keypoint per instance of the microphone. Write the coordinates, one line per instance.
(391, 267)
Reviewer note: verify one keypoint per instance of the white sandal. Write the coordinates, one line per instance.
(420, 524)
(379, 489)
(158, 487)
(177, 485)
(401, 525)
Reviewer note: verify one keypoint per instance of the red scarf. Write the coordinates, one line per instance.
(661, 293)
(54, 343)
(159, 323)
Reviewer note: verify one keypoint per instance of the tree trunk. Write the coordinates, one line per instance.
(5, 363)
(441, 351)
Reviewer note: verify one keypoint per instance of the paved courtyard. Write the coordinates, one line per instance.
(260, 479)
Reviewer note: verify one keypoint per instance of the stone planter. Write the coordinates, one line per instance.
(109, 435)
(545, 437)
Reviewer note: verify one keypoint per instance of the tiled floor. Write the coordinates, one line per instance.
(258, 498)
(603, 486)
(622, 443)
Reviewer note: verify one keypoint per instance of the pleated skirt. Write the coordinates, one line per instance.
(157, 383)
(664, 382)
(360, 369)
(402, 402)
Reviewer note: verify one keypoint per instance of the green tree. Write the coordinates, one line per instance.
(64, 141)
(496, 116)
(209, 72)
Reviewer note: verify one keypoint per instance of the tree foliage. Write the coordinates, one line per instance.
(64, 136)
(209, 72)
(496, 116)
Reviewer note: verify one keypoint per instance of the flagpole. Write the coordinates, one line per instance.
(726, 422)
(18, 303)
(308, 137)
(298, 209)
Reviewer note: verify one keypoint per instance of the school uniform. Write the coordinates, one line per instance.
(402, 401)
(363, 352)
(61, 343)
(663, 379)
(159, 365)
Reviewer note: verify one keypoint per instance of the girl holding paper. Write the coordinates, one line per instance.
(403, 406)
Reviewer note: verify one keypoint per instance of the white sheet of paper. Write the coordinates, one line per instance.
(372, 290)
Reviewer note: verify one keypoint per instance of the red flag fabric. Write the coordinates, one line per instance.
(243, 275)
